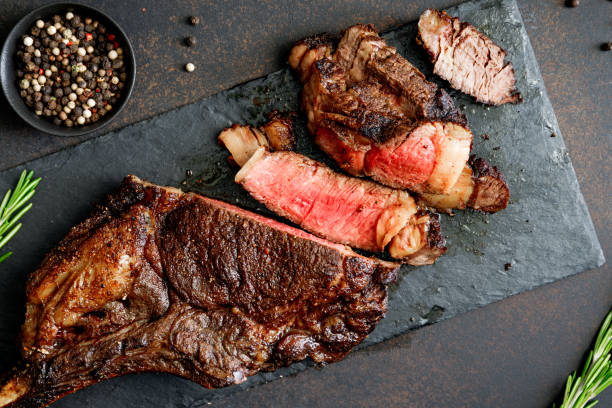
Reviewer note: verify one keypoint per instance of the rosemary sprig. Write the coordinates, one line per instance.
(13, 206)
(596, 374)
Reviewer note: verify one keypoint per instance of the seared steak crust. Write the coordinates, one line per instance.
(160, 280)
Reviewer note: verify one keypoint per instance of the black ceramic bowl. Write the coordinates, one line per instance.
(8, 75)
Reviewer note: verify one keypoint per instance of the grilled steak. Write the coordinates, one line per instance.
(376, 115)
(343, 209)
(468, 59)
(479, 185)
(160, 280)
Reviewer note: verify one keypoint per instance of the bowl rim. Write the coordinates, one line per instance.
(10, 88)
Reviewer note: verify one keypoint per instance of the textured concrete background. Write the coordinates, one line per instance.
(515, 353)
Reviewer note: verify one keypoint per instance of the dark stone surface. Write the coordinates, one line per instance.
(516, 355)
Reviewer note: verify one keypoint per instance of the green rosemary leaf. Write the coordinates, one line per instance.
(596, 374)
(5, 227)
(14, 205)
(3, 257)
(4, 201)
(8, 236)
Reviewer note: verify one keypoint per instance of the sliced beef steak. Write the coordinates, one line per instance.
(159, 280)
(343, 209)
(376, 115)
(478, 185)
(468, 59)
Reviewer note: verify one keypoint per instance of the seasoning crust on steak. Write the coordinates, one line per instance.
(160, 280)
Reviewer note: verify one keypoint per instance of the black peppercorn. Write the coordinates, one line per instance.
(190, 41)
(607, 46)
(194, 20)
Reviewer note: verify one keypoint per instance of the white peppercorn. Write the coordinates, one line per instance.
(189, 67)
(40, 23)
(24, 84)
(28, 41)
(86, 113)
(80, 120)
(69, 16)
(51, 30)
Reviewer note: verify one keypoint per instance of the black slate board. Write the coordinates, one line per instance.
(546, 232)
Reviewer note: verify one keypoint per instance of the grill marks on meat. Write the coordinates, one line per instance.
(466, 58)
(343, 209)
(159, 280)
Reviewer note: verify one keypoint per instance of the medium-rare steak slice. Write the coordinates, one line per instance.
(466, 58)
(479, 185)
(159, 280)
(343, 209)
